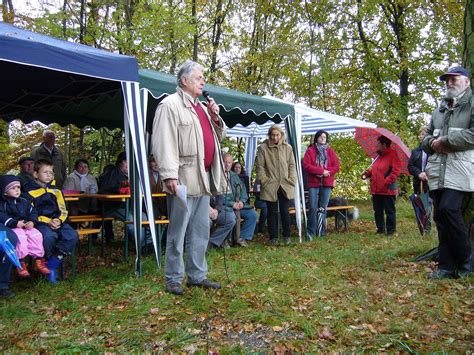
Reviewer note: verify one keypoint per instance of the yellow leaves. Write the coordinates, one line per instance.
(447, 308)
(277, 328)
(249, 327)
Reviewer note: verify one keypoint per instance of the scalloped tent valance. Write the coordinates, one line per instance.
(236, 107)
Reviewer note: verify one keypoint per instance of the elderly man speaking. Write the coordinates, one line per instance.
(186, 145)
(450, 172)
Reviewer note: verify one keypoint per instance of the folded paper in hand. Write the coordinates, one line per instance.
(181, 194)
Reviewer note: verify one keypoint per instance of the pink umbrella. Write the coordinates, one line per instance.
(367, 139)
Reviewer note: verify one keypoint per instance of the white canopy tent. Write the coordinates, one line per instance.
(307, 121)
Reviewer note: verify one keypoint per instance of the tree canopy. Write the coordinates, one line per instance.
(375, 61)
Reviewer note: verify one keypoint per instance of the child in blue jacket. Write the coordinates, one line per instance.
(59, 238)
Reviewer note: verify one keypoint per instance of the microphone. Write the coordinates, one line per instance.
(205, 93)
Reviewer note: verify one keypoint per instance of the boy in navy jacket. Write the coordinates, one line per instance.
(59, 238)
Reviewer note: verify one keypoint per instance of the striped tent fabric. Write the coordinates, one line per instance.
(52, 80)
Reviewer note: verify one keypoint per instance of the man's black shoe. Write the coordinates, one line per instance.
(274, 242)
(205, 284)
(441, 274)
(175, 289)
(6, 293)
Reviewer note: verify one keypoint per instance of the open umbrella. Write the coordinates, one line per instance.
(9, 249)
(366, 137)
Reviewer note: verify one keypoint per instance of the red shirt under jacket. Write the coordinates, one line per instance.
(208, 137)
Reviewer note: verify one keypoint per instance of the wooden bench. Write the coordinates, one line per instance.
(89, 232)
(88, 218)
(159, 223)
(91, 218)
(341, 210)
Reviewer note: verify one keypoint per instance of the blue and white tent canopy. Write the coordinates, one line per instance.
(52, 80)
(311, 119)
(307, 121)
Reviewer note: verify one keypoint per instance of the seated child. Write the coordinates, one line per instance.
(18, 213)
(59, 238)
(5, 265)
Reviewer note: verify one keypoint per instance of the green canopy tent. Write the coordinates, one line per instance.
(236, 106)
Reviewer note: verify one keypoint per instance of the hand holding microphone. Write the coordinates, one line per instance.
(212, 107)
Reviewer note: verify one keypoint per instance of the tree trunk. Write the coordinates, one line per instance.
(216, 37)
(195, 36)
(468, 53)
(64, 18)
(172, 40)
(8, 11)
(82, 22)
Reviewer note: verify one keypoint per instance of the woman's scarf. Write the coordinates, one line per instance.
(322, 158)
(84, 183)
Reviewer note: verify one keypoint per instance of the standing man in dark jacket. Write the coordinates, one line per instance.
(49, 151)
(417, 165)
(450, 171)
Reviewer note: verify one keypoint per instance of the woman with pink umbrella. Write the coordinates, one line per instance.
(383, 174)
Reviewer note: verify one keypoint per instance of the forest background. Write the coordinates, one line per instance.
(376, 61)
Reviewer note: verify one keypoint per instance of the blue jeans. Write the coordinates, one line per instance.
(63, 239)
(225, 223)
(250, 221)
(318, 197)
(263, 214)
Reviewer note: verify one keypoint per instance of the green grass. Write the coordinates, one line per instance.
(354, 291)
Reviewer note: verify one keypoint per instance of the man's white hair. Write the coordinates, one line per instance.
(186, 70)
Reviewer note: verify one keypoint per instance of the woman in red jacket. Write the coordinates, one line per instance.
(383, 176)
(321, 164)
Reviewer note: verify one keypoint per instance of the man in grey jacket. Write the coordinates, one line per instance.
(186, 145)
(450, 171)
